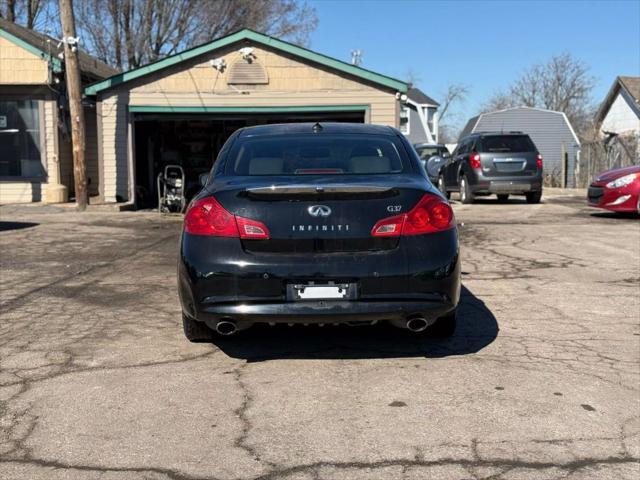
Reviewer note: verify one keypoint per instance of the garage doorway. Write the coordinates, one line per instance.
(193, 140)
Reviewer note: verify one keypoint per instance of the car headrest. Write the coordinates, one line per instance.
(369, 164)
(266, 166)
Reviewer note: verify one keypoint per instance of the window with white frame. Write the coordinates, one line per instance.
(405, 124)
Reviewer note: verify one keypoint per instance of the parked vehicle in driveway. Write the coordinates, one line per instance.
(500, 163)
(616, 190)
(318, 224)
(433, 156)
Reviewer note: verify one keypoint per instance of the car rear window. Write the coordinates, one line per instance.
(507, 144)
(427, 152)
(315, 154)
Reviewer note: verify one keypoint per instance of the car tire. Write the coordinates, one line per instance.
(442, 187)
(503, 197)
(534, 197)
(466, 195)
(445, 326)
(196, 331)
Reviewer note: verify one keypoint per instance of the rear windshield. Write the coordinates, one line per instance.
(507, 144)
(317, 154)
(427, 152)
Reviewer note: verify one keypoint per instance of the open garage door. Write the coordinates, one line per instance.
(193, 140)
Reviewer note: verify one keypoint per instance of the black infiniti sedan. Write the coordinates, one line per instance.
(318, 224)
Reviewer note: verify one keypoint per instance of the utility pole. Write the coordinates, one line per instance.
(74, 92)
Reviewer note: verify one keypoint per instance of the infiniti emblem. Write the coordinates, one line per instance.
(319, 211)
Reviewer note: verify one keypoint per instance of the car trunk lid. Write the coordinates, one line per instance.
(320, 214)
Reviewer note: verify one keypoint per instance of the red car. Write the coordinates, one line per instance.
(617, 190)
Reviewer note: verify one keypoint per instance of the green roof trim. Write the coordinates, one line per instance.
(260, 38)
(248, 109)
(56, 64)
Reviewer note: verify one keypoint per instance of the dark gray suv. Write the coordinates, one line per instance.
(501, 163)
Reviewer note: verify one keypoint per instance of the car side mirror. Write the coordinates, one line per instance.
(446, 155)
(204, 178)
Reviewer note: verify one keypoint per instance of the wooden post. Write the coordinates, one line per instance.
(74, 91)
(563, 165)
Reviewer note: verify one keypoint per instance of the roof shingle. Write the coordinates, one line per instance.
(419, 96)
(89, 65)
(632, 84)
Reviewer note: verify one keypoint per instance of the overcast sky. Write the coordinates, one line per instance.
(484, 44)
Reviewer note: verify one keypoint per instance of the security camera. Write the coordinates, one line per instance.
(218, 63)
(247, 53)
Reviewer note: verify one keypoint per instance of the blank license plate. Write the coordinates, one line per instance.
(319, 292)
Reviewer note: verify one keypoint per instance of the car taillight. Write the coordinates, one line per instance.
(252, 229)
(474, 160)
(539, 162)
(430, 215)
(207, 217)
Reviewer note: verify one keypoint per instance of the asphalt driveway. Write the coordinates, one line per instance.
(541, 380)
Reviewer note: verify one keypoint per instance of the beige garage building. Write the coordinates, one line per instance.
(35, 143)
(180, 110)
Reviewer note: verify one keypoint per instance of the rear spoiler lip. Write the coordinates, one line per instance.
(317, 189)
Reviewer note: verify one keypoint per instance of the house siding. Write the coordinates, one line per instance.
(621, 117)
(21, 67)
(549, 131)
(21, 73)
(416, 130)
(195, 83)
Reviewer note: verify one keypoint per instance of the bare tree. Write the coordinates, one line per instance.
(412, 77)
(456, 93)
(130, 33)
(564, 84)
(498, 101)
(24, 12)
(9, 10)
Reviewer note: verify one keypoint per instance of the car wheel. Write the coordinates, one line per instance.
(534, 197)
(466, 195)
(444, 326)
(503, 197)
(196, 331)
(443, 188)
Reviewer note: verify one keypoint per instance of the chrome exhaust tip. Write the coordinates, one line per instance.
(226, 327)
(418, 324)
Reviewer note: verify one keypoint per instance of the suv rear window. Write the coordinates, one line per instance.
(313, 154)
(506, 144)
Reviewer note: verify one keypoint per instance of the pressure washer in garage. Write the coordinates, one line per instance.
(171, 197)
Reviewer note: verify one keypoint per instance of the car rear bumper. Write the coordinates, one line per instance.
(218, 280)
(508, 186)
(326, 311)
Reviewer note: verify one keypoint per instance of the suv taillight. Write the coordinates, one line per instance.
(430, 215)
(474, 160)
(539, 162)
(207, 217)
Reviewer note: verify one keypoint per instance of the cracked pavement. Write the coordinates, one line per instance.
(541, 380)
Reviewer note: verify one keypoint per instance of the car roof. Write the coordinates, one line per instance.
(316, 127)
